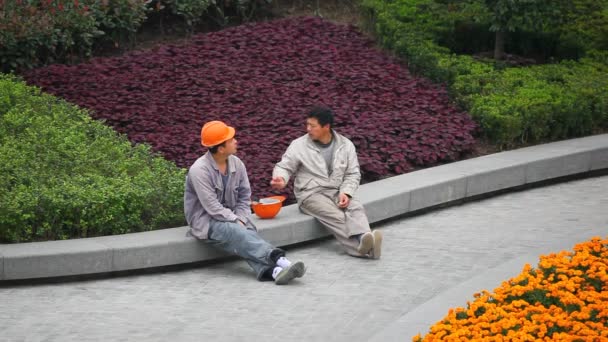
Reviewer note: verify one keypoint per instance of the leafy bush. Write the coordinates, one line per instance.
(585, 26)
(511, 105)
(262, 78)
(65, 175)
(37, 32)
(118, 19)
(245, 9)
(538, 103)
(220, 12)
(190, 10)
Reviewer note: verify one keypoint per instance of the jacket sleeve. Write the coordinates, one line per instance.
(352, 174)
(205, 191)
(243, 200)
(288, 165)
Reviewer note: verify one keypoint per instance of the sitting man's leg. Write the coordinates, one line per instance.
(267, 261)
(355, 213)
(352, 232)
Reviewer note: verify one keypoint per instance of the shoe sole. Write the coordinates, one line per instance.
(296, 270)
(377, 250)
(299, 269)
(366, 244)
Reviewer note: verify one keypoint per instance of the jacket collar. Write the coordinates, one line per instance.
(339, 140)
(231, 162)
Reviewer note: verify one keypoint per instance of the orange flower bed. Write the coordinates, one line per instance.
(564, 299)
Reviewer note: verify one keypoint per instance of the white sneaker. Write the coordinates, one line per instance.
(366, 243)
(376, 251)
(296, 270)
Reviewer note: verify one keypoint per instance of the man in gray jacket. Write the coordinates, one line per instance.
(217, 207)
(327, 176)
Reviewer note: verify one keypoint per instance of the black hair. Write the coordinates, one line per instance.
(213, 149)
(323, 114)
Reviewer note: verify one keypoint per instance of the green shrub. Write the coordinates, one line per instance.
(39, 32)
(412, 28)
(190, 10)
(533, 104)
(65, 175)
(511, 105)
(245, 9)
(585, 26)
(221, 12)
(36, 32)
(118, 19)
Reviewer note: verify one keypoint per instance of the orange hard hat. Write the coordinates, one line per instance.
(216, 132)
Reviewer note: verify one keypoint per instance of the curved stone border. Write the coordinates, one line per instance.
(383, 199)
(421, 318)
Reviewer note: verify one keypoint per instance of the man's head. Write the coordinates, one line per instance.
(319, 122)
(218, 137)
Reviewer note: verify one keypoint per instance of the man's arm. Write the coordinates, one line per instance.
(205, 191)
(352, 174)
(285, 168)
(243, 200)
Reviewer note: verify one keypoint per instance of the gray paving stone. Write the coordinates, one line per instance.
(339, 299)
(385, 198)
(438, 193)
(290, 226)
(554, 167)
(495, 180)
(1, 266)
(153, 249)
(48, 259)
(599, 159)
(422, 317)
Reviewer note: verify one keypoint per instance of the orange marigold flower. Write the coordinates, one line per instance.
(565, 300)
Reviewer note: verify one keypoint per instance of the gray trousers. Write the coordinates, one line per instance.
(342, 223)
(235, 239)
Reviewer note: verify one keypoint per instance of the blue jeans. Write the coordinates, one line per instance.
(235, 239)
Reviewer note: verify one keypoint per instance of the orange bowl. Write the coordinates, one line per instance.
(268, 207)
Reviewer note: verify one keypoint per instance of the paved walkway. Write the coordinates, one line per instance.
(340, 299)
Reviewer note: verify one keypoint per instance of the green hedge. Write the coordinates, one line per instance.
(512, 105)
(39, 32)
(65, 175)
(119, 20)
(31, 32)
(548, 102)
(35, 32)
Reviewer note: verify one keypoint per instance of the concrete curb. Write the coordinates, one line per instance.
(421, 318)
(383, 199)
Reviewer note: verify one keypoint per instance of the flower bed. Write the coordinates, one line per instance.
(261, 78)
(564, 299)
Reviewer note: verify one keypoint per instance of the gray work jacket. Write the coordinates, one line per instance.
(303, 159)
(204, 188)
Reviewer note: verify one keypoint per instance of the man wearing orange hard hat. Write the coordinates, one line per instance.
(217, 207)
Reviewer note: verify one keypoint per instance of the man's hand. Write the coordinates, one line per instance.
(343, 200)
(277, 183)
